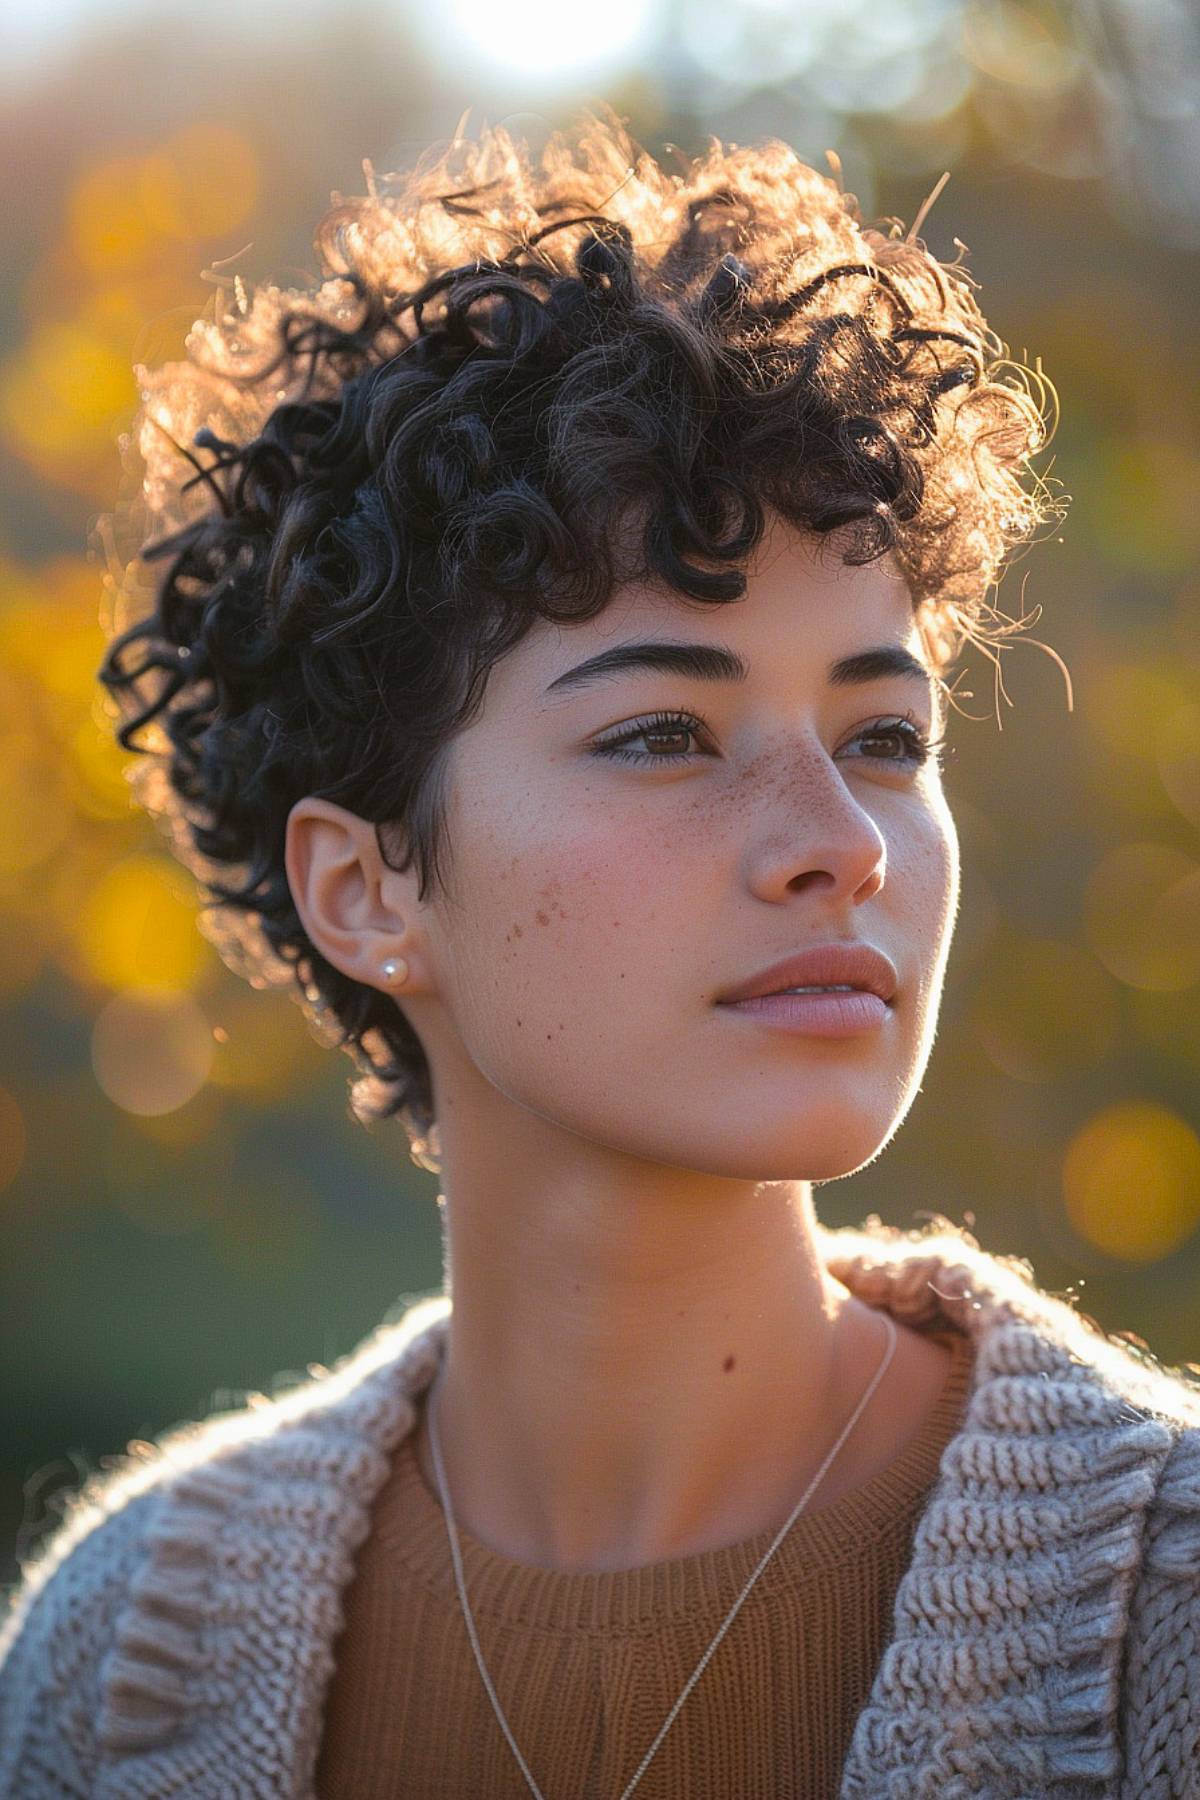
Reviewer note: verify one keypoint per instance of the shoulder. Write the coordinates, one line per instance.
(1159, 1701)
(112, 1622)
(1161, 1688)
(938, 1278)
(1072, 1488)
(56, 1629)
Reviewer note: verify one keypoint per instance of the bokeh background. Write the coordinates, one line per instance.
(187, 1210)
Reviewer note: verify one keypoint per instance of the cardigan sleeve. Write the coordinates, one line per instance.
(1161, 1690)
(57, 1630)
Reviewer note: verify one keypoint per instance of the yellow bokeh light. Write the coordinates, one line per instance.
(51, 644)
(107, 227)
(151, 1049)
(36, 812)
(50, 908)
(66, 386)
(69, 656)
(1131, 1181)
(81, 377)
(137, 927)
(202, 181)
(263, 1050)
(1141, 915)
(1043, 1009)
(95, 767)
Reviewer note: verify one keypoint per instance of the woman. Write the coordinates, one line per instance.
(552, 700)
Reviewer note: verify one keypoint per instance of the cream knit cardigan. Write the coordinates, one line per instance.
(176, 1636)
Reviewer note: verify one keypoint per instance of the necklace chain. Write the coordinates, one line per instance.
(456, 1557)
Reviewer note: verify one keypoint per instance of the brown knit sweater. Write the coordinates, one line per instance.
(588, 1665)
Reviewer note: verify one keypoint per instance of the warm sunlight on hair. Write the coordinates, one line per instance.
(522, 381)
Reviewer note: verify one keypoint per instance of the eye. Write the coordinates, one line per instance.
(916, 748)
(662, 725)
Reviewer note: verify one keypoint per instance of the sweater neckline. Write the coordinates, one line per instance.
(1002, 1676)
(605, 1602)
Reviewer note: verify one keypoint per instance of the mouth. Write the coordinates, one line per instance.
(830, 1013)
(822, 970)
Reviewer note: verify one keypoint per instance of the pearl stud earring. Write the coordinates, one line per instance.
(395, 969)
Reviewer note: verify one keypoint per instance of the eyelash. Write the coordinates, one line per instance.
(920, 749)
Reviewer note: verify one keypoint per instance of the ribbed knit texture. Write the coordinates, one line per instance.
(588, 1665)
(176, 1635)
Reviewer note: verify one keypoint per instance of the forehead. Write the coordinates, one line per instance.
(803, 606)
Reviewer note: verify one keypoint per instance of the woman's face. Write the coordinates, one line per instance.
(600, 905)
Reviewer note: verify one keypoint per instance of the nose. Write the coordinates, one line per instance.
(820, 837)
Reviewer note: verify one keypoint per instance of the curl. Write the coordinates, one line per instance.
(515, 386)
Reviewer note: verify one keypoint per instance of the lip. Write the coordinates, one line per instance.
(855, 964)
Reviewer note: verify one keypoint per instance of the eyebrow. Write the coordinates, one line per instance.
(717, 662)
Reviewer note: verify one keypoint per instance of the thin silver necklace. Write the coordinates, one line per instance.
(456, 1556)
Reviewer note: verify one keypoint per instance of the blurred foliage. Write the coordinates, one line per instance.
(182, 1189)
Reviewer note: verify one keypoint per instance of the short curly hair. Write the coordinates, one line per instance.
(513, 359)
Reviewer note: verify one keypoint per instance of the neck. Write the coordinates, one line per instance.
(647, 1370)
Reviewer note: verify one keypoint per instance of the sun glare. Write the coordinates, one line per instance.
(544, 37)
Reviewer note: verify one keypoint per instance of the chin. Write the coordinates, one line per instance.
(787, 1152)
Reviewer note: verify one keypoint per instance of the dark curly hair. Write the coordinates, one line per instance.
(520, 383)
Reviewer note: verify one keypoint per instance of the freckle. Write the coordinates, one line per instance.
(727, 1364)
(543, 918)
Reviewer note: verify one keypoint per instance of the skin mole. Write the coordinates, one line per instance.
(728, 1364)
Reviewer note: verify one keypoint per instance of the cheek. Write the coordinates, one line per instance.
(557, 953)
(923, 874)
(558, 893)
(926, 857)
(588, 897)
(944, 853)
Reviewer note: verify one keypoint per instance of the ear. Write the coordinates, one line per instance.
(357, 911)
